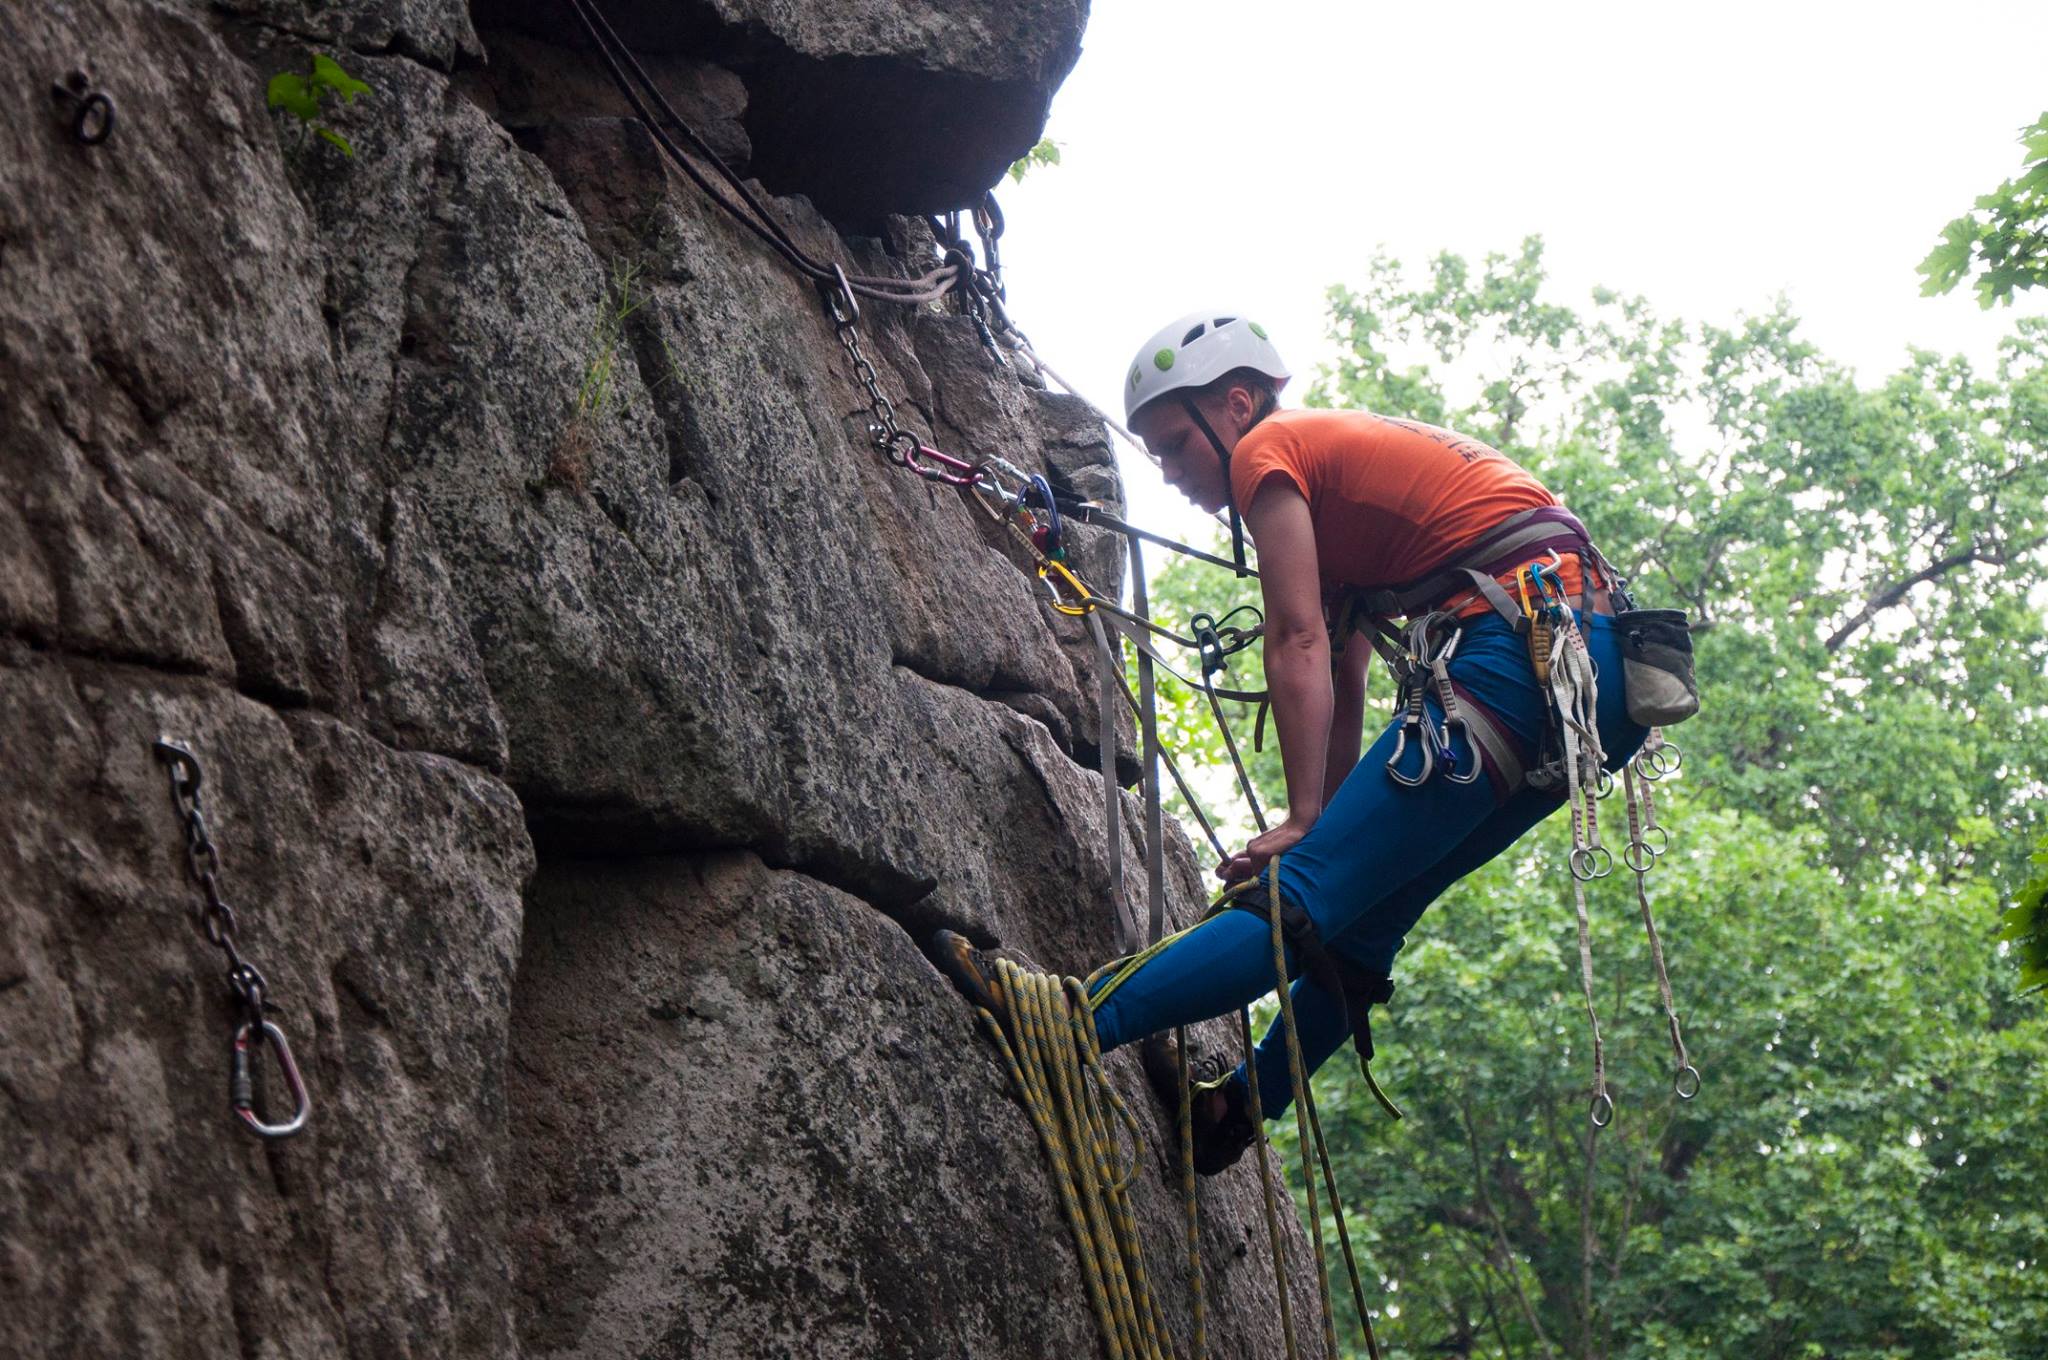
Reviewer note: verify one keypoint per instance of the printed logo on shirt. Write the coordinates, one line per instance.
(1471, 450)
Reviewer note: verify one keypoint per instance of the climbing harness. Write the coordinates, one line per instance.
(1570, 760)
(216, 921)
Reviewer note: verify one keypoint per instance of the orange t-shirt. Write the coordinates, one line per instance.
(1392, 500)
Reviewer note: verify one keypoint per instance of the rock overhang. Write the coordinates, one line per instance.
(868, 108)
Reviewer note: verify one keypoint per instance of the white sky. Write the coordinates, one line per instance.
(1709, 157)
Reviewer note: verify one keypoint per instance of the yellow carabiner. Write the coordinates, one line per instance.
(1046, 569)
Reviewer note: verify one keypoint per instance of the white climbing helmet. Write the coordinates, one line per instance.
(1194, 352)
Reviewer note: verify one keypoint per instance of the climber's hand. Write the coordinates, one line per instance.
(1263, 847)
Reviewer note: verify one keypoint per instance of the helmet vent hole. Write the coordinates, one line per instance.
(1193, 335)
(1222, 321)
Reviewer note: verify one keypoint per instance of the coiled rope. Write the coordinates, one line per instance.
(1048, 1042)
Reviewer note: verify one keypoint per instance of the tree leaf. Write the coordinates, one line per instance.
(327, 73)
(290, 92)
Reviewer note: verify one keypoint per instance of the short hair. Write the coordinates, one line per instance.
(1265, 392)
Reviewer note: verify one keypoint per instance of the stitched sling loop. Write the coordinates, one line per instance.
(1575, 693)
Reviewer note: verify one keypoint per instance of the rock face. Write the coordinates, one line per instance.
(593, 722)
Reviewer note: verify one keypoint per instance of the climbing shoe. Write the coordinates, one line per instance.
(973, 971)
(1221, 1106)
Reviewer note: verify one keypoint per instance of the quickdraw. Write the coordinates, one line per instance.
(1423, 667)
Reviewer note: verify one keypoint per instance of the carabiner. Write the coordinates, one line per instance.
(1053, 566)
(952, 471)
(840, 303)
(1208, 643)
(1038, 492)
(1451, 756)
(1660, 760)
(242, 1085)
(1420, 727)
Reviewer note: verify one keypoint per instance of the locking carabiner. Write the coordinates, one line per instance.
(242, 1084)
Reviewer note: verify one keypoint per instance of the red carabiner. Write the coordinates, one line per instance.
(952, 471)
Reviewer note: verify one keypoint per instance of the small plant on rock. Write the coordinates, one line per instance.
(1047, 152)
(303, 95)
(569, 464)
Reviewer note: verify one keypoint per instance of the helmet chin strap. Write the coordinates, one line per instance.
(1229, 497)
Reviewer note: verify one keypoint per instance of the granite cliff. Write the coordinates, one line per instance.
(586, 766)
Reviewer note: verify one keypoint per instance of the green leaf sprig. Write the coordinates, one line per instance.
(1047, 152)
(2026, 925)
(2008, 243)
(302, 95)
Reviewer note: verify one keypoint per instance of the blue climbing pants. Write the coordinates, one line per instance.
(1374, 861)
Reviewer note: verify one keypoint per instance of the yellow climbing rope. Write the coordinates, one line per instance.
(1047, 1039)
(1049, 1045)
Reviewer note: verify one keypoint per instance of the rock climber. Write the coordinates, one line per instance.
(1351, 512)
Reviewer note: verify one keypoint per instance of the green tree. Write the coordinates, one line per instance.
(1859, 1177)
(1860, 562)
(2026, 924)
(2008, 242)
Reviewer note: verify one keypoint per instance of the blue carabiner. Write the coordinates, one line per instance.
(1055, 533)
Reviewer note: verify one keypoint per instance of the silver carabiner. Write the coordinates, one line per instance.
(242, 1085)
(1451, 756)
(1401, 744)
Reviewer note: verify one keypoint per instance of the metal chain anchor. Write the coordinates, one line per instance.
(216, 921)
(91, 111)
(890, 439)
(896, 444)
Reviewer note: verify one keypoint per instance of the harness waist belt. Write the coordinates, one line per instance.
(1546, 528)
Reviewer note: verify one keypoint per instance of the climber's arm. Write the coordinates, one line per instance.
(1297, 653)
(1347, 717)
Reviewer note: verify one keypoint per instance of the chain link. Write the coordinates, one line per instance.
(890, 439)
(216, 922)
(214, 917)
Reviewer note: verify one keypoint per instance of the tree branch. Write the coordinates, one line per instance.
(1508, 1266)
(1933, 571)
